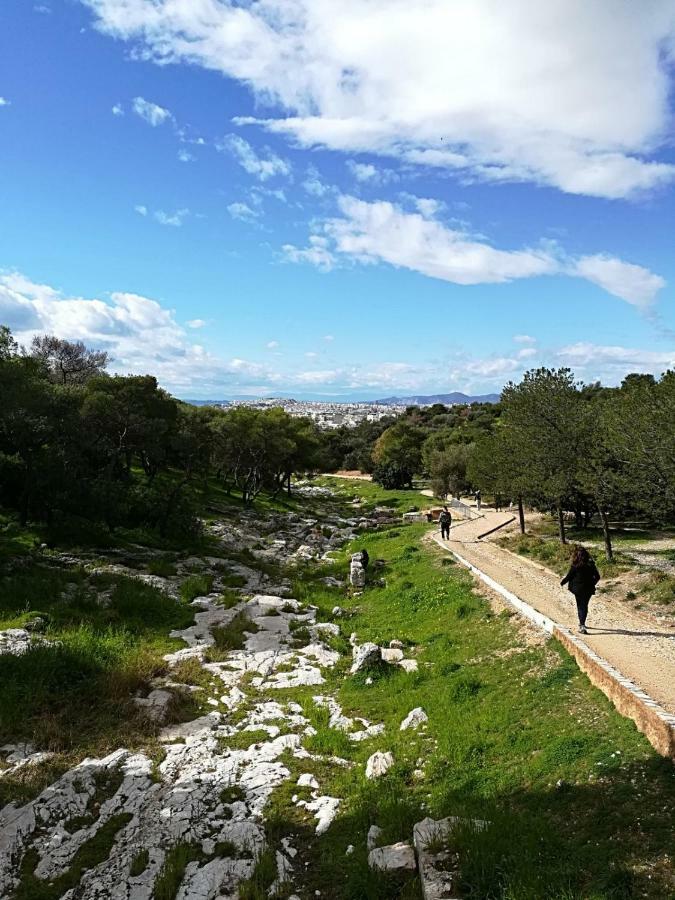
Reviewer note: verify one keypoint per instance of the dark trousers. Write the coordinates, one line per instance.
(445, 532)
(582, 607)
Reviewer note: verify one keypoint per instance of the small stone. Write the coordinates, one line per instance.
(365, 656)
(349, 850)
(379, 764)
(374, 833)
(409, 665)
(308, 780)
(369, 680)
(393, 857)
(396, 645)
(414, 719)
(392, 655)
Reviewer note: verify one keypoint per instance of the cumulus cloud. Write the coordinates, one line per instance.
(185, 156)
(314, 185)
(151, 113)
(368, 173)
(262, 167)
(117, 110)
(272, 345)
(141, 210)
(140, 334)
(381, 231)
(518, 90)
(634, 284)
(196, 323)
(4, 102)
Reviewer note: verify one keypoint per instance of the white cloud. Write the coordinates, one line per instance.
(243, 212)
(272, 345)
(4, 102)
(141, 210)
(150, 112)
(516, 90)
(314, 185)
(311, 354)
(329, 338)
(196, 323)
(117, 110)
(634, 284)
(174, 219)
(612, 363)
(380, 231)
(262, 167)
(524, 339)
(185, 156)
(366, 172)
(317, 254)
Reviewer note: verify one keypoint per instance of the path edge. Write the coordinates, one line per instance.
(656, 723)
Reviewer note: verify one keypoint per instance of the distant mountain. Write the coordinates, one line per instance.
(446, 399)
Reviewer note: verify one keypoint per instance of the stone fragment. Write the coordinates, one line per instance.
(438, 869)
(357, 574)
(308, 780)
(365, 656)
(414, 719)
(392, 655)
(379, 764)
(409, 665)
(393, 857)
(374, 833)
(396, 645)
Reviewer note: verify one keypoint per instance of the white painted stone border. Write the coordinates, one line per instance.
(656, 723)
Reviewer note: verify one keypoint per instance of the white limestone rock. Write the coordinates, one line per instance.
(379, 764)
(374, 833)
(393, 857)
(415, 718)
(365, 656)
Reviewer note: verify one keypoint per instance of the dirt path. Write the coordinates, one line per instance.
(644, 653)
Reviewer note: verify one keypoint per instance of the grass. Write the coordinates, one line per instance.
(195, 586)
(508, 721)
(173, 868)
(163, 567)
(373, 495)
(556, 556)
(74, 693)
(139, 863)
(231, 636)
(660, 588)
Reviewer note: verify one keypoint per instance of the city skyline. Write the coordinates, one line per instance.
(266, 198)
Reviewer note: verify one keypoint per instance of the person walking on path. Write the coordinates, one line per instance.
(581, 581)
(477, 496)
(445, 521)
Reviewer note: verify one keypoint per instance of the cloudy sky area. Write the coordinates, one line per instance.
(341, 200)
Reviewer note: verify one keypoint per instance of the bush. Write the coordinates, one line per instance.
(196, 586)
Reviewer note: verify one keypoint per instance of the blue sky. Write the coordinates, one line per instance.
(382, 197)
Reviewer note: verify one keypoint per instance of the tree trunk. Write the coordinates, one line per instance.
(521, 515)
(288, 484)
(561, 526)
(605, 530)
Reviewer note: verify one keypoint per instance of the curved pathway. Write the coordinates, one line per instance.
(643, 652)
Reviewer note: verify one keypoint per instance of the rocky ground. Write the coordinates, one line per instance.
(193, 824)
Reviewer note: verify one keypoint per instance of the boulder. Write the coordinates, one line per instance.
(365, 656)
(357, 574)
(414, 719)
(379, 764)
(392, 655)
(396, 645)
(394, 857)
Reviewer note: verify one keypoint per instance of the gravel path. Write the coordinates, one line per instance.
(642, 652)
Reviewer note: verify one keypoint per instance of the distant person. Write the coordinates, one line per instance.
(581, 581)
(445, 521)
(365, 559)
(477, 496)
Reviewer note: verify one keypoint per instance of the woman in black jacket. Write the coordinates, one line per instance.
(581, 581)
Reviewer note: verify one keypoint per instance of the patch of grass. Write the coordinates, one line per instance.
(173, 869)
(242, 740)
(233, 581)
(89, 854)
(139, 863)
(232, 794)
(264, 874)
(162, 566)
(228, 599)
(195, 586)
(660, 588)
(231, 636)
(556, 556)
